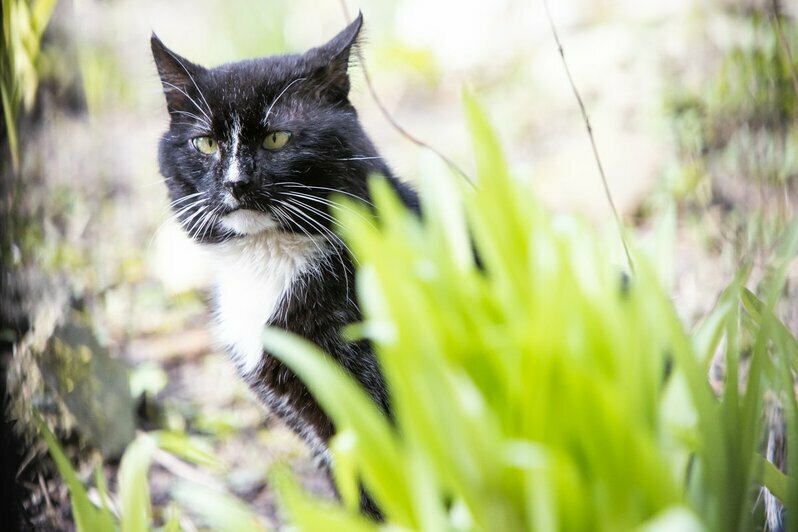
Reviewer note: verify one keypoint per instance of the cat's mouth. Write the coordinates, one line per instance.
(243, 221)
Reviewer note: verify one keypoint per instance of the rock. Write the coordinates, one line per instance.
(92, 384)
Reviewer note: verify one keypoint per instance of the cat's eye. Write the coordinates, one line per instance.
(276, 140)
(205, 145)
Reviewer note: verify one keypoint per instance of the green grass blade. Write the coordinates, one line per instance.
(758, 311)
(491, 164)
(710, 331)
(88, 518)
(343, 446)
(785, 252)
(106, 517)
(172, 519)
(772, 478)
(136, 508)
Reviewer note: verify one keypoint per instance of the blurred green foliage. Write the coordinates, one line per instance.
(543, 390)
(540, 390)
(104, 85)
(24, 22)
(754, 83)
(132, 510)
(742, 121)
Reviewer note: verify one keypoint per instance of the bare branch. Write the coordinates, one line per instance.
(590, 134)
(391, 120)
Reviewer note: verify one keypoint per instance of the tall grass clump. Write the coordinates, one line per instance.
(129, 509)
(535, 386)
(24, 22)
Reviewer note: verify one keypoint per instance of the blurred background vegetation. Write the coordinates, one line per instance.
(103, 321)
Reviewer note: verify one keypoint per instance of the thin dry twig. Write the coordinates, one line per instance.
(776, 18)
(391, 120)
(590, 134)
(33, 453)
(45, 493)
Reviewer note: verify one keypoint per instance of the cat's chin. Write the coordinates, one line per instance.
(247, 222)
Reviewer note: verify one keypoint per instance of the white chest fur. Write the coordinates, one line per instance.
(254, 274)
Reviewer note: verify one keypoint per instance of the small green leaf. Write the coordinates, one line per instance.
(187, 447)
(771, 478)
(220, 510)
(134, 490)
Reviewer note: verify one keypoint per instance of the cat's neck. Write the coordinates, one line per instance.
(255, 275)
(265, 245)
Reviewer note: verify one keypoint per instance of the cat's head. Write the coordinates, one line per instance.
(261, 144)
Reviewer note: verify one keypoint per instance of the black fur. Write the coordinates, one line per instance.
(328, 152)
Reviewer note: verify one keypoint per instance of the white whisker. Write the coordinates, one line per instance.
(191, 99)
(174, 216)
(328, 235)
(187, 223)
(212, 224)
(269, 110)
(200, 224)
(299, 212)
(314, 209)
(185, 208)
(190, 115)
(184, 198)
(179, 62)
(329, 202)
(296, 184)
(326, 216)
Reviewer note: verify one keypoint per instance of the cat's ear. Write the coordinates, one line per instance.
(177, 74)
(330, 62)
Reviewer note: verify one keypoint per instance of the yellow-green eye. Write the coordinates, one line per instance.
(206, 145)
(276, 140)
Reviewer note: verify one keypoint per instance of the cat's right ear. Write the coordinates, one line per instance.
(177, 74)
(329, 63)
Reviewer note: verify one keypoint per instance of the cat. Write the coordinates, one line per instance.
(253, 152)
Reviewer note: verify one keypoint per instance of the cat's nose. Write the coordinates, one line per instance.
(239, 186)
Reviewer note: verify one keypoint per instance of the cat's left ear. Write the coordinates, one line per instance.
(330, 62)
(177, 74)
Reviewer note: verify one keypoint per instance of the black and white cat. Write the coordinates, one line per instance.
(253, 152)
